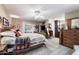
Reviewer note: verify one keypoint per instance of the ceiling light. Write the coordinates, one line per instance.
(37, 12)
(14, 16)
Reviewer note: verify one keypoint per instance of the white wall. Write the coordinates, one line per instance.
(72, 14)
(60, 17)
(52, 23)
(3, 13)
(29, 23)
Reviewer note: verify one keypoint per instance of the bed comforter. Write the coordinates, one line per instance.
(34, 37)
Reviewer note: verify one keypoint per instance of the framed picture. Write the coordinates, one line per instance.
(5, 22)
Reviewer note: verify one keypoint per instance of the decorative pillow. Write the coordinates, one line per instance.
(8, 33)
(8, 40)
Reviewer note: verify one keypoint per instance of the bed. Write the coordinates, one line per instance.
(36, 40)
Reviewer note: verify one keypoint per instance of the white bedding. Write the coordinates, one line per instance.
(9, 37)
(8, 40)
(34, 37)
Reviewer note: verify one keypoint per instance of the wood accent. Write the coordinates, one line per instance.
(61, 37)
(50, 33)
(24, 50)
(69, 23)
(69, 38)
(75, 18)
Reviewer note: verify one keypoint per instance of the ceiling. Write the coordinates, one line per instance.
(47, 11)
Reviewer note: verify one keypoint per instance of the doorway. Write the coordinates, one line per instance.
(56, 28)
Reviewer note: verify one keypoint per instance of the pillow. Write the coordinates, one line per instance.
(8, 33)
(8, 40)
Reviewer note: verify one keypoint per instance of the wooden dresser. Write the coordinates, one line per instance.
(69, 38)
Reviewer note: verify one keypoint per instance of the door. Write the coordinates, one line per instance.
(56, 29)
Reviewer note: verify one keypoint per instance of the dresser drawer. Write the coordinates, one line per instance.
(69, 39)
(68, 44)
(77, 42)
(68, 32)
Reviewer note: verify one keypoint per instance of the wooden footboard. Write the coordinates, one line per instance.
(22, 49)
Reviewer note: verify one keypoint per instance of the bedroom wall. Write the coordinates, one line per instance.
(60, 17)
(72, 14)
(4, 13)
(17, 23)
(20, 24)
(31, 23)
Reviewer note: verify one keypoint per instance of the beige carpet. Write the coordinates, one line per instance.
(52, 48)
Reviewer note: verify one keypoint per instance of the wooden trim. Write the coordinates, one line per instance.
(23, 51)
(74, 18)
(61, 36)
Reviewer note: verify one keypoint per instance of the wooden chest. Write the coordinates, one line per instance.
(69, 38)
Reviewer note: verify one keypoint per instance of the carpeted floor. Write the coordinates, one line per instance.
(52, 48)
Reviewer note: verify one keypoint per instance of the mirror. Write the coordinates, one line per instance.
(75, 23)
